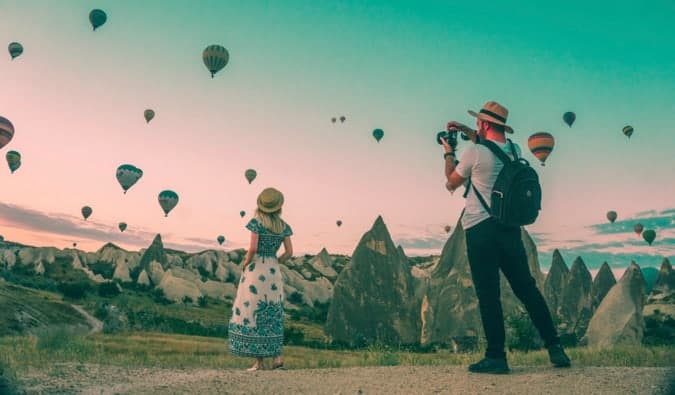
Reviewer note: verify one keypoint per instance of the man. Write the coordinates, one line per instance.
(491, 246)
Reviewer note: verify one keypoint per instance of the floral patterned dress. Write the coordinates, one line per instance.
(257, 328)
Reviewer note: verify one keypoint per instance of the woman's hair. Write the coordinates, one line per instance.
(271, 221)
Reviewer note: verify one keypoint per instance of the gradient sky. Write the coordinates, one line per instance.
(76, 98)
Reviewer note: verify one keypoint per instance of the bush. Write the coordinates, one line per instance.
(159, 296)
(187, 300)
(522, 334)
(74, 290)
(294, 336)
(296, 298)
(202, 301)
(108, 289)
(659, 330)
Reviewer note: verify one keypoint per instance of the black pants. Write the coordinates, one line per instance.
(490, 247)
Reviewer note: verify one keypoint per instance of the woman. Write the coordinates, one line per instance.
(256, 328)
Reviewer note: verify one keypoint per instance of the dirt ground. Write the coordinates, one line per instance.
(97, 379)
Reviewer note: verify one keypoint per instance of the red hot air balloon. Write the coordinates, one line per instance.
(637, 228)
(541, 144)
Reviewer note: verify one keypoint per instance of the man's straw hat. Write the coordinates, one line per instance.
(493, 112)
(270, 200)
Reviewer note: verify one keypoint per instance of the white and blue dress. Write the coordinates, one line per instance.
(257, 327)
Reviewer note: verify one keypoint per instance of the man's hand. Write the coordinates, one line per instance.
(454, 125)
(447, 146)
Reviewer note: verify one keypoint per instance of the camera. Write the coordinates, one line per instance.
(450, 137)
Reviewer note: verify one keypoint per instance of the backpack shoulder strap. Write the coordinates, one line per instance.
(496, 150)
(513, 149)
(480, 198)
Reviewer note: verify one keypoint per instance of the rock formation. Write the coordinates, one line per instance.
(575, 306)
(375, 296)
(555, 282)
(618, 319)
(664, 288)
(602, 283)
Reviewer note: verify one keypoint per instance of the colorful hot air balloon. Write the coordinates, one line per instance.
(343, 119)
(628, 130)
(447, 228)
(378, 134)
(242, 213)
(333, 119)
(97, 18)
(13, 160)
(541, 144)
(148, 114)
(338, 223)
(569, 118)
(6, 131)
(221, 239)
(168, 200)
(86, 212)
(637, 228)
(611, 216)
(127, 175)
(649, 235)
(215, 57)
(15, 50)
(122, 226)
(250, 175)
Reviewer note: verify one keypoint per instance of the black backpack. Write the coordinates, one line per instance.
(516, 195)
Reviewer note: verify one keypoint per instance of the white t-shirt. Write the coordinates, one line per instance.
(478, 162)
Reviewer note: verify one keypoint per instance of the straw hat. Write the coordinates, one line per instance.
(270, 200)
(493, 112)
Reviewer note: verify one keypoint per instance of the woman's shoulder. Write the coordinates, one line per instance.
(288, 231)
(253, 225)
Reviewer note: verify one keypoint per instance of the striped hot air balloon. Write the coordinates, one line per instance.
(167, 200)
(127, 175)
(215, 57)
(15, 50)
(13, 160)
(6, 131)
(97, 18)
(148, 114)
(541, 144)
(628, 131)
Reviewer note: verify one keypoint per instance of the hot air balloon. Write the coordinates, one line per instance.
(215, 57)
(541, 144)
(13, 160)
(242, 213)
(74, 245)
(122, 226)
(637, 228)
(333, 119)
(127, 175)
(250, 175)
(148, 114)
(342, 119)
(611, 216)
(97, 18)
(86, 212)
(6, 131)
(338, 223)
(168, 200)
(649, 235)
(378, 134)
(15, 50)
(447, 228)
(221, 239)
(569, 118)
(628, 130)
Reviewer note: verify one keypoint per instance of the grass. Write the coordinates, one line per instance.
(144, 349)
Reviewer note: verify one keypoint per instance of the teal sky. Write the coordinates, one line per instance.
(76, 98)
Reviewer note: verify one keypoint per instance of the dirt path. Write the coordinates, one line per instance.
(96, 325)
(97, 379)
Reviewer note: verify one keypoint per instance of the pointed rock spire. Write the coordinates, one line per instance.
(575, 305)
(664, 288)
(555, 282)
(603, 282)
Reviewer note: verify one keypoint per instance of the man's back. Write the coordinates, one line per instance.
(479, 163)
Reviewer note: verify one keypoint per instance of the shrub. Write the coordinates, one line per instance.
(293, 336)
(108, 289)
(202, 301)
(74, 290)
(159, 296)
(296, 298)
(187, 300)
(230, 278)
(522, 334)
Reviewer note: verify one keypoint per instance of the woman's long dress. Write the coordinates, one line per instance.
(257, 328)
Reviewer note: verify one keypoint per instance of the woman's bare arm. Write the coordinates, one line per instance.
(288, 250)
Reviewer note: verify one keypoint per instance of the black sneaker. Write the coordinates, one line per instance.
(490, 365)
(559, 359)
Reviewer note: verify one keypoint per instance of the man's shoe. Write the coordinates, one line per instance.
(490, 365)
(559, 359)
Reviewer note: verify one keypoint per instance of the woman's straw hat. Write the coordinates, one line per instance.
(495, 113)
(270, 200)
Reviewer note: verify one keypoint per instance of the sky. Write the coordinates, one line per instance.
(76, 98)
